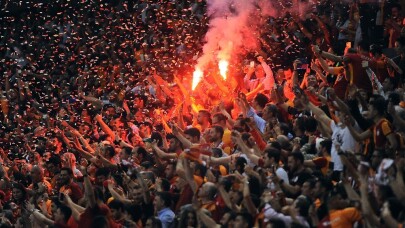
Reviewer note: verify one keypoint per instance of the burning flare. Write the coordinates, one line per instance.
(197, 75)
(223, 68)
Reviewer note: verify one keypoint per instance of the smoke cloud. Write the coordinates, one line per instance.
(233, 26)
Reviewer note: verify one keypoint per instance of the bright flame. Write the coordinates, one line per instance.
(197, 75)
(223, 68)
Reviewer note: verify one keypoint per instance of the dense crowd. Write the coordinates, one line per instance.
(100, 125)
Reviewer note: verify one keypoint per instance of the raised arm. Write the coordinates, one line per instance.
(105, 127)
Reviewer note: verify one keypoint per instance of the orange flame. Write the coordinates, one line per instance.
(223, 68)
(197, 75)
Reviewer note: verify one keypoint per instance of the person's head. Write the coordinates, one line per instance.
(280, 76)
(62, 213)
(299, 125)
(295, 161)
(323, 185)
(188, 218)
(301, 204)
(170, 170)
(260, 101)
(54, 164)
(375, 51)
(102, 174)
(243, 220)
(117, 209)
(204, 117)
(65, 175)
(376, 158)
(376, 107)
(174, 143)
(219, 119)
(271, 157)
(311, 81)
(270, 111)
(216, 133)
(193, 134)
(326, 146)
(307, 188)
(310, 125)
(207, 191)
(135, 193)
(125, 153)
(162, 200)
(240, 164)
(19, 192)
(227, 219)
(396, 11)
(37, 174)
(389, 84)
(108, 151)
(153, 222)
(400, 46)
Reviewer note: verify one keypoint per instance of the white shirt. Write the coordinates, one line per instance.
(340, 136)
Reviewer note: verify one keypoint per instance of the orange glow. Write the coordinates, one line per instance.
(197, 75)
(223, 68)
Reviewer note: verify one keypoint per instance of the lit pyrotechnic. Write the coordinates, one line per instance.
(223, 68)
(197, 75)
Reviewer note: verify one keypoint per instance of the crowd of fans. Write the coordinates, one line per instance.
(99, 126)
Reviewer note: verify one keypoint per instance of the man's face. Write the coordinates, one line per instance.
(36, 175)
(169, 171)
(64, 177)
(280, 75)
(268, 162)
(292, 164)
(306, 189)
(387, 86)
(158, 203)
(213, 135)
(116, 214)
(173, 144)
(395, 12)
(201, 119)
(311, 81)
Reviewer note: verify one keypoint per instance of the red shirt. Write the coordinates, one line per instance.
(380, 132)
(87, 217)
(73, 190)
(356, 73)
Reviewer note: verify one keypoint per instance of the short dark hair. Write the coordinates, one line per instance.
(165, 197)
(218, 129)
(110, 150)
(327, 143)
(261, 100)
(379, 104)
(206, 114)
(248, 218)
(297, 156)
(273, 153)
(310, 124)
(193, 132)
(220, 116)
(68, 170)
